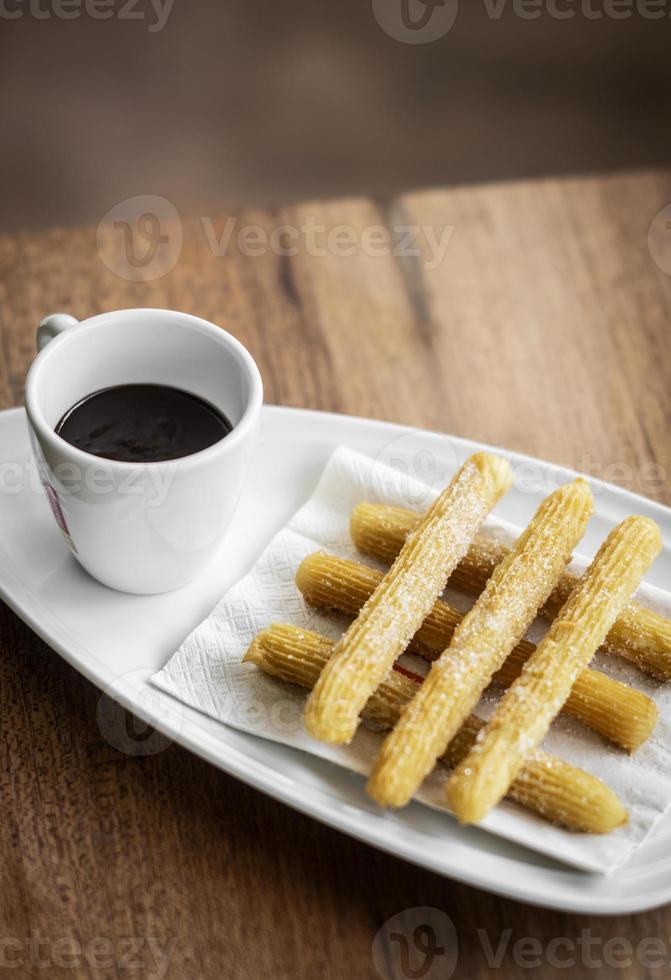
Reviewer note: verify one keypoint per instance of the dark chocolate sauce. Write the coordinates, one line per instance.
(142, 423)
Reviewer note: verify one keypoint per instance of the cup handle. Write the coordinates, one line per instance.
(52, 326)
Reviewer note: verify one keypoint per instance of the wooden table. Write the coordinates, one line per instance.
(545, 328)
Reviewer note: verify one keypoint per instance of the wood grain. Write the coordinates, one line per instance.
(545, 329)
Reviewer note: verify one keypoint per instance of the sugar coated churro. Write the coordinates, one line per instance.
(526, 711)
(556, 790)
(519, 585)
(639, 634)
(404, 597)
(620, 713)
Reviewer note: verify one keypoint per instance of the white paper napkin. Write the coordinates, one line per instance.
(207, 673)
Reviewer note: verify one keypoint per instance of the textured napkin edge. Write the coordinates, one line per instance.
(166, 682)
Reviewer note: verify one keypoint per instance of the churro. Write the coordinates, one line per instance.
(551, 787)
(640, 635)
(404, 597)
(519, 585)
(620, 713)
(526, 711)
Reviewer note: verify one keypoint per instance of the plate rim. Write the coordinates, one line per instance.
(259, 776)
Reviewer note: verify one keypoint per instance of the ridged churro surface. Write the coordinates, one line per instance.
(519, 585)
(526, 711)
(618, 712)
(397, 608)
(639, 634)
(556, 790)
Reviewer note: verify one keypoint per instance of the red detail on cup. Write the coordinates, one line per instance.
(56, 507)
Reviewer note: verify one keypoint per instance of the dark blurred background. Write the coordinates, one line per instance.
(236, 103)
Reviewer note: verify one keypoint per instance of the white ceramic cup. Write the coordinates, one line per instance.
(142, 527)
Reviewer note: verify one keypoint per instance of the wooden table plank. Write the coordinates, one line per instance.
(545, 328)
(554, 284)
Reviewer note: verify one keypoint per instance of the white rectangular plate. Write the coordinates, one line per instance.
(118, 641)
